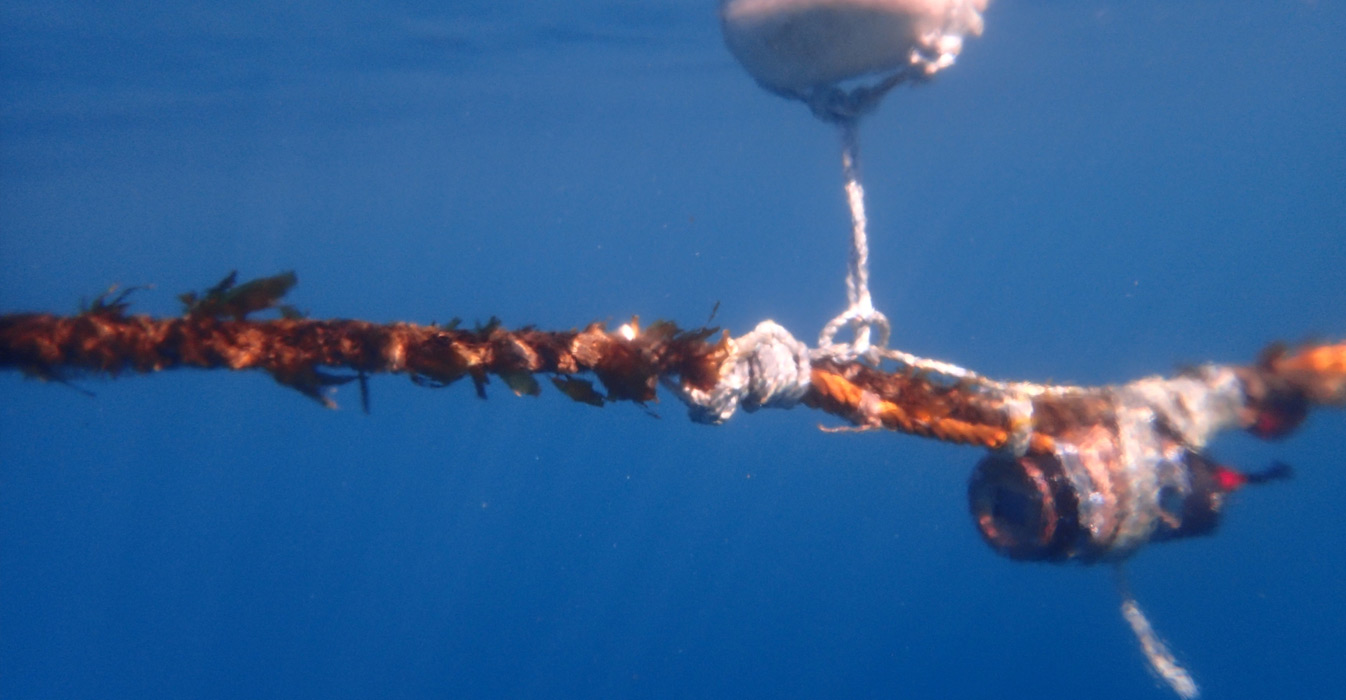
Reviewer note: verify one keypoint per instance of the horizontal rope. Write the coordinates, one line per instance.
(712, 372)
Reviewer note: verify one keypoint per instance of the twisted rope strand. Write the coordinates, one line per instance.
(764, 368)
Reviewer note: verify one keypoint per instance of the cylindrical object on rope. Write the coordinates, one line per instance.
(1094, 499)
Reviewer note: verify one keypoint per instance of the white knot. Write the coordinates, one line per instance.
(766, 368)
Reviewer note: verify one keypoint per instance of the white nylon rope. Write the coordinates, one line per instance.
(860, 315)
(1157, 653)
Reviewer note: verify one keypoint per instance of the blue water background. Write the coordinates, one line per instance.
(1098, 191)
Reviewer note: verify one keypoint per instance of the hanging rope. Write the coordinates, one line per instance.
(1157, 654)
(869, 326)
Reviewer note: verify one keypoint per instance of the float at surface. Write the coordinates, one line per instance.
(810, 49)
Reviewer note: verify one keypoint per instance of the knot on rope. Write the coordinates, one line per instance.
(766, 368)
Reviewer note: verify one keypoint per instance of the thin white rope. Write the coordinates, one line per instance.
(860, 316)
(1157, 653)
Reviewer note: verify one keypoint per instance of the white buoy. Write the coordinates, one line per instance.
(807, 48)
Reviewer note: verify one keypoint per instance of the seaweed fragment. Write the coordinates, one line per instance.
(106, 304)
(313, 383)
(228, 299)
(521, 383)
(581, 390)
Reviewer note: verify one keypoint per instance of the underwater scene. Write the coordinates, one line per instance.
(1095, 191)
